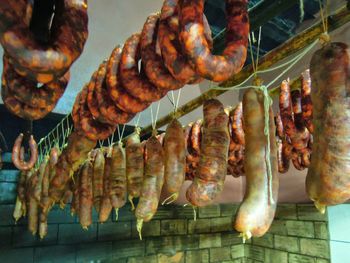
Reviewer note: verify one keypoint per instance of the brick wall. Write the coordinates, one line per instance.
(298, 234)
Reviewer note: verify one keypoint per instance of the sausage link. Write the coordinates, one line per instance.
(194, 44)
(328, 180)
(106, 204)
(86, 195)
(306, 102)
(134, 166)
(118, 182)
(258, 208)
(212, 169)
(175, 159)
(152, 183)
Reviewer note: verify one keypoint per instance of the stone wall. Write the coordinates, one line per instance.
(299, 235)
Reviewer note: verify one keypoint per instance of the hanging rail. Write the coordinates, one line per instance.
(290, 47)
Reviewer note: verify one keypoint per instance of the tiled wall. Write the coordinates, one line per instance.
(299, 235)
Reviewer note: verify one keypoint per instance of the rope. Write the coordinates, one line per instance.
(138, 120)
(154, 119)
(302, 11)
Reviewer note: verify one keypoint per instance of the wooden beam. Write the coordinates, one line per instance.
(295, 44)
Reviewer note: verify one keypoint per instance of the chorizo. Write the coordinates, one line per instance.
(97, 179)
(32, 204)
(44, 201)
(20, 163)
(175, 159)
(20, 109)
(86, 195)
(134, 166)
(152, 62)
(116, 91)
(258, 208)
(129, 74)
(298, 139)
(328, 180)
(93, 129)
(106, 204)
(195, 46)
(306, 102)
(27, 92)
(110, 113)
(152, 183)
(69, 161)
(168, 34)
(212, 169)
(237, 125)
(44, 63)
(75, 205)
(118, 182)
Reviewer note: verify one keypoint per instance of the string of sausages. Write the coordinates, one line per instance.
(142, 169)
(168, 47)
(35, 75)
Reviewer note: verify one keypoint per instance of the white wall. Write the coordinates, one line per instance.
(339, 230)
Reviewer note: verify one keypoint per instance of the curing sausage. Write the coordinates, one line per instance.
(116, 91)
(75, 205)
(237, 125)
(306, 102)
(129, 74)
(72, 157)
(134, 166)
(195, 46)
(175, 159)
(32, 203)
(97, 181)
(258, 208)
(41, 172)
(27, 92)
(212, 169)
(106, 204)
(168, 35)
(21, 164)
(152, 183)
(85, 195)
(92, 129)
(298, 139)
(284, 149)
(44, 63)
(196, 137)
(20, 109)
(110, 113)
(152, 62)
(328, 181)
(44, 201)
(118, 183)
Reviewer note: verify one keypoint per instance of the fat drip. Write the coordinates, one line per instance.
(328, 177)
(257, 210)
